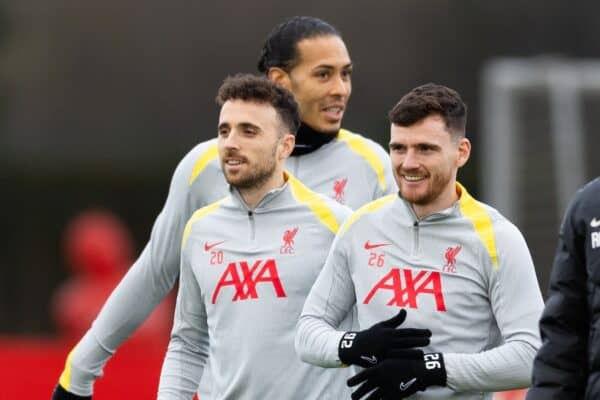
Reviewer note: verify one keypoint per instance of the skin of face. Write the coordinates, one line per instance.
(252, 145)
(425, 160)
(320, 81)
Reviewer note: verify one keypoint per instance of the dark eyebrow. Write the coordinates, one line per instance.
(245, 125)
(328, 66)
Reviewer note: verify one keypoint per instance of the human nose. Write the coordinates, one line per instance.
(342, 86)
(230, 141)
(411, 160)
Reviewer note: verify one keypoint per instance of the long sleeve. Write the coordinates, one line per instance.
(516, 303)
(188, 348)
(328, 303)
(560, 368)
(146, 283)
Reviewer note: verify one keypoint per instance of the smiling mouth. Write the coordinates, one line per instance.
(414, 178)
(333, 109)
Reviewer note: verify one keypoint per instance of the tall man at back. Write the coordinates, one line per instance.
(307, 56)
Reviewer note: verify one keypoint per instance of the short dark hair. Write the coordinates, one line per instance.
(281, 50)
(259, 89)
(431, 99)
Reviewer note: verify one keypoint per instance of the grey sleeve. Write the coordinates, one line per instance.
(516, 304)
(188, 348)
(328, 302)
(146, 283)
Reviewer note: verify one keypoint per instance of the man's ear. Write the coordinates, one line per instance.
(288, 141)
(280, 77)
(464, 151)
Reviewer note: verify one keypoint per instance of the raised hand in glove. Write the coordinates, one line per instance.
(61, 394)
(400, 377)
(370, 346)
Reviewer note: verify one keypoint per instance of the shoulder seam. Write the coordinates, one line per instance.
(200, 213)
(360, 146)
(367, 208)
(317, 205)
(482, 223)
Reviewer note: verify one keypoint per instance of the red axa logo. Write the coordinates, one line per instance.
(288, 241)
(403, 287)
(243, 279)
(450, 256)
(338, 190)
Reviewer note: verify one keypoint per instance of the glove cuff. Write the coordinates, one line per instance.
(61, 394)
(345, 347)
(435, 369)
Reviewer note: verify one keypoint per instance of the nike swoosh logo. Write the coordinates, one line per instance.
(404, 386)
(371, 360)
(595, 223)
(207, 246)
(369, 246)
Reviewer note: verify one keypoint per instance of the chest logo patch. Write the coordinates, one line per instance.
(288, 241)
(208, 246)
(338, 190)
(450, 256)
(370, 246)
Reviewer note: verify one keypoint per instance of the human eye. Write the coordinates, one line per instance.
(250, 130)
(223, 131)
(427, 148)
(397, 148)
(322, 74)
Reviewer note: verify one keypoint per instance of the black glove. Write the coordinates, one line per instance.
(367, 348)
(61, 394)
(396, 378)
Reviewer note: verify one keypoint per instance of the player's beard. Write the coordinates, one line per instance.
(258, 173)
(436, 184)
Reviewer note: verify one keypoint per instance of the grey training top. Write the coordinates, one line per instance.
(464, 272)
(245, 275)
(352, 169)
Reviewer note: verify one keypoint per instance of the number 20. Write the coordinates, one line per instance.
(216, 257)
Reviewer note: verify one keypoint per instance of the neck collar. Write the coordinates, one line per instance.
(309, 139)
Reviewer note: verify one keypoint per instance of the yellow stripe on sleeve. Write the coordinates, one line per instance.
(481, 220)
(359, 145)
(196, 216)
(316, 204)
(206, 157)
(65, 377)
(372, 206)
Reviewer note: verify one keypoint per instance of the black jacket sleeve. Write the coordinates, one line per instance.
(560, 368)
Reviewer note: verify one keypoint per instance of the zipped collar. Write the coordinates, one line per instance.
(274, 198)
(452, 211)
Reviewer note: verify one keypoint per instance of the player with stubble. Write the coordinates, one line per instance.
(456, 265)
